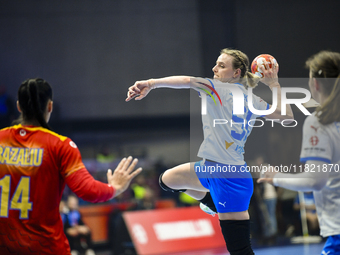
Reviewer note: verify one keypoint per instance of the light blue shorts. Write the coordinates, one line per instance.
(230, 191)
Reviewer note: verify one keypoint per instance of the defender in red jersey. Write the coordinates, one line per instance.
(35, 165)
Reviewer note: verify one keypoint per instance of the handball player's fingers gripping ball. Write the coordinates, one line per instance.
(265, 61)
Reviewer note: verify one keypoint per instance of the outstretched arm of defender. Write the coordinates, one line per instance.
(89, 189)
(123, 174)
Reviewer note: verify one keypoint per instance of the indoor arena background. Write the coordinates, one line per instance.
(92, 51)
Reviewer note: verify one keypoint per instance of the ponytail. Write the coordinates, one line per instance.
(328, 112)
(33, 96)
(325, 67)
(251, 80)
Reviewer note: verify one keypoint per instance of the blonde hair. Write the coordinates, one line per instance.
(325, 67)
(241, 61)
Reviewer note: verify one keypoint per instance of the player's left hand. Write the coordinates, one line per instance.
(270, 77)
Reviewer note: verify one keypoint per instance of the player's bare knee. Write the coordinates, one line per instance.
(166, 187)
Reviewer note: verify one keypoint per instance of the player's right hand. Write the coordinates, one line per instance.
(123, 174)
(270, 77)
(139, 90)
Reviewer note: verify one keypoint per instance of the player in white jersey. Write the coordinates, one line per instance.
(227, 193)
(321, 149)
(233, 128)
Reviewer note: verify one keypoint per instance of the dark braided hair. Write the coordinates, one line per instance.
(33, 96)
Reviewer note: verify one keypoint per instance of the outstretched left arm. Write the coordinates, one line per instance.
(306, 181)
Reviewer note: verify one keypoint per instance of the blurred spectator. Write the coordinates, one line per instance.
(77, 233)
(105, 156)
(287, 216)
(119, 237)
(138, 187)
(312, 218)
(143, 194)
(152, 180)
(187, 200)
(63, 209)
(270, 199)
(258, 209)
(147, 202)
(7, 108)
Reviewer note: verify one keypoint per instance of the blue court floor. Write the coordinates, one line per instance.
(296, 249)
(292, 249)
(289, 249)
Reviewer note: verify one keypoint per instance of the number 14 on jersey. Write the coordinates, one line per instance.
(20, 199)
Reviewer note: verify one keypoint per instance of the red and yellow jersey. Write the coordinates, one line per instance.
(35, 164)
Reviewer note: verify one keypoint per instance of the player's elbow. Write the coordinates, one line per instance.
(188, 79)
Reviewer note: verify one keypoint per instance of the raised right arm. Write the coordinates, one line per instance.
(141, 88)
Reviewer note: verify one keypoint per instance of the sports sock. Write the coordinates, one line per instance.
(236, 234)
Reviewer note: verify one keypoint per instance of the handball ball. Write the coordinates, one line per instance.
(260, 60)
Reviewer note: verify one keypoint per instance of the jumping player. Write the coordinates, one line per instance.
(35, 165)
(320, 149)
(223, 145)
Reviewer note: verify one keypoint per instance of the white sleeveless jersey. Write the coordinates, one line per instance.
(225, 134)
(322, 143)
